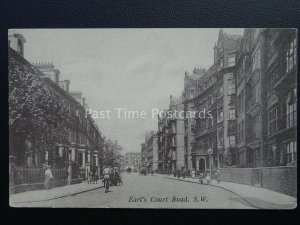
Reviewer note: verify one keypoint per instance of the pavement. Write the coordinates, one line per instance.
(53, 193)
(158, 191)
(256, 196)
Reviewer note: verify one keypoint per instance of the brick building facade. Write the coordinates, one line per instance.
(250, 92)
(83, 147)
(171, 137)
(149, 151)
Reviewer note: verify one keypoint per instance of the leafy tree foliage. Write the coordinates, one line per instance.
(112, 153)
(36, 112)
(228, 158)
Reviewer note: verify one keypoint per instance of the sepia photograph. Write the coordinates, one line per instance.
(184, 118)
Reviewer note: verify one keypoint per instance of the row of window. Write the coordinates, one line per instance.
(290, 118)
(230, 61)
(231, 114)
(285, 155)
(208, 101)
(241, 131)
(240, 102)
(291, 151)
(79, 138)
(203, 124)
(291, 56)
(231, 140)
(202, 145)
(202, 87)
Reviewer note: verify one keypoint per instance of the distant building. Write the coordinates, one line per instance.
(149, 151)
(122, 161)
(171, 143)
(132, 159)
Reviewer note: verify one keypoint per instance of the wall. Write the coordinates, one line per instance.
(236, 175)
(279, 179)
(39, 186)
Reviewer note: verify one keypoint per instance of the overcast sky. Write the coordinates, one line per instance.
(136, 69)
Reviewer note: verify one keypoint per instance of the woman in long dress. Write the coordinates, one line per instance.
(48, 177)
(193, 174)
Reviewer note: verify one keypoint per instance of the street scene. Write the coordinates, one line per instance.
(113, 118)
(156, 192)
(144, 192)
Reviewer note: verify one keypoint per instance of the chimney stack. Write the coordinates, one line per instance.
(16, 42)
(65, 84)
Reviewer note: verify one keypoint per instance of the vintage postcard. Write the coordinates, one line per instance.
(153, 118)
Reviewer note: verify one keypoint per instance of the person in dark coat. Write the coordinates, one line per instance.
(89, 180)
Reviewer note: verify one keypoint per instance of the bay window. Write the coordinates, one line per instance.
(220, 94)
(231, 113)
(220, 115)
(231, 60)
(273, 114)
(291, 111)
(291, 151)
(231, 140)
(291, 56)
(231, 87)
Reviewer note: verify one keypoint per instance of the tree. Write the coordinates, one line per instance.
(112, 153)
(36, 112)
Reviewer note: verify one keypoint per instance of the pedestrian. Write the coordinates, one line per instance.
(112, 177)
(218, 175)
(183, 172)
(89, 180)
(207, 179)
(48, 177)
(96, 177)
(193, 174)
(93, 176)
(201, 175)
(117, 177)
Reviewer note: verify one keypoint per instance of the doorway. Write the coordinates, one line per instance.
(202, 164)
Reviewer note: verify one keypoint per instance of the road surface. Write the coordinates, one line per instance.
(150, 192)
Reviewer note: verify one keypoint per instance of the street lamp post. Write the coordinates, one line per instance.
(210, 152)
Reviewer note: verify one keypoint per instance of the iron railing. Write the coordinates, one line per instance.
(31, 175)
